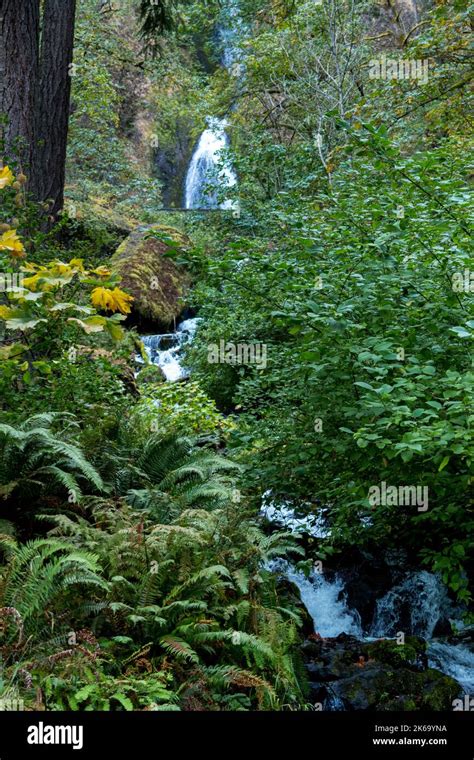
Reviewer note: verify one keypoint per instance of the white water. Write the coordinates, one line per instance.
(209, 173)
(421, 599)
(413, 606)
(165, 351)
(283, 513)
(323, 599)
(455, 660)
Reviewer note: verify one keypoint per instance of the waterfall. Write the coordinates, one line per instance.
(324, 599)
(210, 173)
(205, 177)
(413, 605)
(416, 604)
(165, 350)
(455, 660)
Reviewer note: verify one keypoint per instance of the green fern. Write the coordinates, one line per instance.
(35, 459)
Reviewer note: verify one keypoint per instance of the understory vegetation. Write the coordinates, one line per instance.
(134, 561)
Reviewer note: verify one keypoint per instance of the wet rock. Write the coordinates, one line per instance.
(442, 628)
(366, 578)
(375, 675)
(380, 688)
(465, 636)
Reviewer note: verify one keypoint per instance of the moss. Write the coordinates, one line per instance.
(151, 374)
(94, 211)
(156, 283)
(439, 691)
(377, 687)
(392, 653)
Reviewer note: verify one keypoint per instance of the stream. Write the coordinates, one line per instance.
(418, 599)
(413, 605)
(165, 350)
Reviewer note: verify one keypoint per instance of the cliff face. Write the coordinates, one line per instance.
(171, 162)
(392, 22)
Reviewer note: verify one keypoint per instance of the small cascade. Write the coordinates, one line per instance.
(165, 350)
(455, 660)
(415, 605)
(229, 31)
(324, 600)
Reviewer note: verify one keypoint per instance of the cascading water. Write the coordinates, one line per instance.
(416, 604)
(413, 605)
(210, 174)
(165, 350)
(455, 660)
(205, 178)
(323, 599)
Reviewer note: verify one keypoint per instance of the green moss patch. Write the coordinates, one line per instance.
(149, 274)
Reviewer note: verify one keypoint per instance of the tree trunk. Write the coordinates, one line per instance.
(19, 42)
(52, 114)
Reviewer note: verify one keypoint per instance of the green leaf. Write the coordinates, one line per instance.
(444, 463)
(126, 703)
(461, 332)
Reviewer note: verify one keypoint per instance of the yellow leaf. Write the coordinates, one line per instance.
(102, 271)
(77, 264)
(60, 268)
(6, 177)
(111, 300)
(102, 298)
(122, 300)
(90, 325)
(10, 242)
(12, 351)
(5, 312)
(30, 266)
(30, 283)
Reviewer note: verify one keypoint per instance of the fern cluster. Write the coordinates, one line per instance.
(152, 595)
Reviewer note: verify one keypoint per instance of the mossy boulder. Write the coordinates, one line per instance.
(411, 652)
(376, 675)
(148, 273)
(377, 687)
(94, 211)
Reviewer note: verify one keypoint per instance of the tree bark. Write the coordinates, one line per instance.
(19, 43)
(52, 112)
